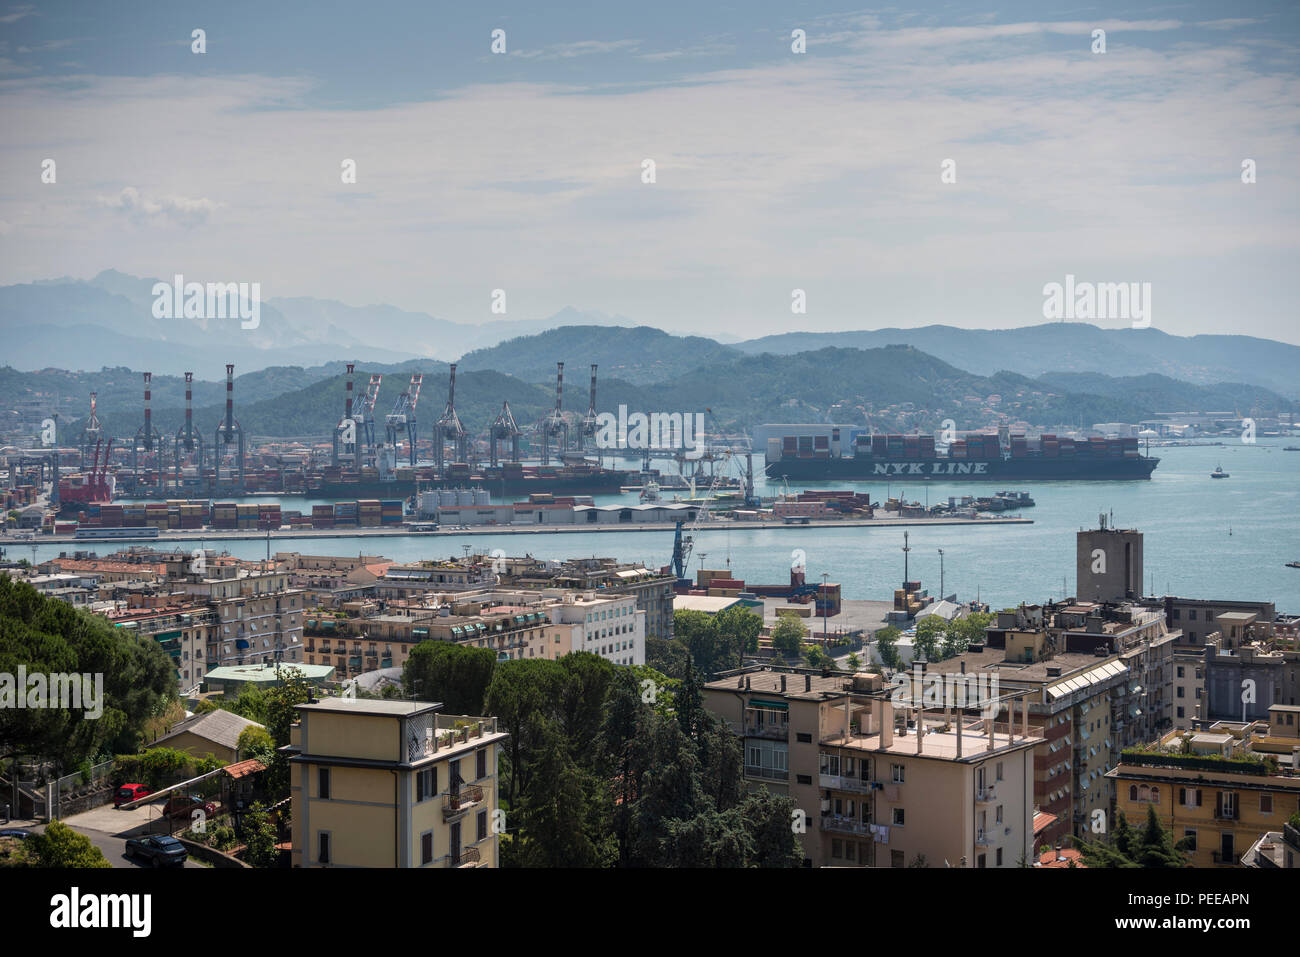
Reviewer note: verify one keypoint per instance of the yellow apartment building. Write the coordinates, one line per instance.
(884, 784)
(1200, 792)
(393, 784)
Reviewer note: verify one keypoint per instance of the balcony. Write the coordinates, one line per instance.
(841, 782)
(983, 839)
(986, 794)
(843, 825)
(772, 774)
(1218, 857)
(776, 732)
(461, 800)
(469, 858)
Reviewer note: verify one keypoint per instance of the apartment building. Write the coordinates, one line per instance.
(1096, 680)
(883, 782)
(183, 628)
(1221, 784)
(653, 590)
(393, 784)
(259, 616)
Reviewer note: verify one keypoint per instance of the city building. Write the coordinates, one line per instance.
(393, 784)
(1221, 785)
(884, 780)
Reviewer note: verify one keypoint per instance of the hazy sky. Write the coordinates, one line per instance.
(774, 170)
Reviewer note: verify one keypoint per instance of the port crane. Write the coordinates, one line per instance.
(365, 418)
(554, 426)
(503, 429)
(90, 432)
(402, 418)
(447, 429)
(589, 427)
(346, 440)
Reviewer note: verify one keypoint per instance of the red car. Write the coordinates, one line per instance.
(184, 806)
(130, 792)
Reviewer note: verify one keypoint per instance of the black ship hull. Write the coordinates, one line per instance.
(1025, 469)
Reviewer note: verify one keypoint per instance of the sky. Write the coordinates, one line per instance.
(774, 170)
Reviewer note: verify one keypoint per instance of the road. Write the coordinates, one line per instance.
(114, 849)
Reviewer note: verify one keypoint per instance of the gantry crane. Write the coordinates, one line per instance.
(448, 429)
(402, 418)
(554, 426)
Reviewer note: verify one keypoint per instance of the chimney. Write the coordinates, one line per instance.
(189, 404)
(807, 686)
(230, 401)
(148, 414)
(886, 712)
(783, 682)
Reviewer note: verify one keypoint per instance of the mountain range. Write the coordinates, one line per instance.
(108, 321)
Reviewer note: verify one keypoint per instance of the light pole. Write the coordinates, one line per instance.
(941, 594)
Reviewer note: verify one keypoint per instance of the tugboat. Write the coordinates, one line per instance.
(1219, 473)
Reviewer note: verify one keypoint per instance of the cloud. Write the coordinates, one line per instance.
(176, 210)
(17, 13)
(819, 171)
(576, 48)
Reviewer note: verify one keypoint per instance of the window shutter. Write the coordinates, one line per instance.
(1182, 796)
(1218, 804)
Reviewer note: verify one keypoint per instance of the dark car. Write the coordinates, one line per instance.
(184, 806)
(15, 832)
(160, 850)
(130, 792)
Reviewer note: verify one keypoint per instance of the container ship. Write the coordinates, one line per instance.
(978, 456)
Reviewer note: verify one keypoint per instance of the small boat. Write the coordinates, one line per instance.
(1291, 448)
(1293, 564)
(1219, 473)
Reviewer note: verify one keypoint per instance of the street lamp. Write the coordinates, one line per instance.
(941, 594)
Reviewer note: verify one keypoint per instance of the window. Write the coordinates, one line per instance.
(1180, 689)
(999, 819)
(323, 847)
(837, 848)
(323, 783)
(480, 763)
(482, 825)
(1191, 614)
(898, 817)
(998, 775)
(896, 859)
(981, 861)
(426, 784)
(999, 857)
(803, 778)
(426, 847)
(1189, 797)
(1132, 792)
(1266, 804)
(896, 773)
(1180, 711)
(1189, 833)
(1180, 671)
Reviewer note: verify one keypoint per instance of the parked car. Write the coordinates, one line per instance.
(19, 833)
(159, 849)
(130, 792)
(184, 806)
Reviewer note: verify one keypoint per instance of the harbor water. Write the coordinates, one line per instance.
(1203, 538)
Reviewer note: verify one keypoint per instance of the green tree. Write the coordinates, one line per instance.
(256, 742)
(260, 837)
(928, 632)
(454, 674)
(1152, 846)
(887, 646)
(44, 635)
(698, 632)
(737, 630)
(855, 663)
(281, 713)
(788, 635)
(62, 847)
